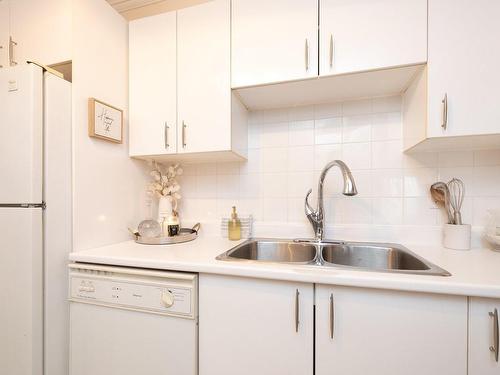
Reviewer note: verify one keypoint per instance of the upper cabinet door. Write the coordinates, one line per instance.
(152, 80)
(41, 31)
(4, 33)
(204, 70)
(368, 331)
(483, 331)
(273, 41)
(357, 35)
(463, 67)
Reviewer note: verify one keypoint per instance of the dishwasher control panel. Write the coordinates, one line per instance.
(168, 293)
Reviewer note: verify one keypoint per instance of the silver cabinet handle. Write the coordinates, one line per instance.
(11, 52)
(332, 50)
(184, 126)
(332, 316)
(307, 55)
(1, 66)
(494, 347)
(166, 135)
(297, 312)
(445, 111)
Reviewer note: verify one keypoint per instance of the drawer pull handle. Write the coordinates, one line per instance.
(297, 312)
(494, 347)
(167, 145)
(332, 50)
(307, 55)
(11, 52)
(184, 126)
(332, 316)
(444, 125)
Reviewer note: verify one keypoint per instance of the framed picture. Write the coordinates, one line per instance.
(105, 121)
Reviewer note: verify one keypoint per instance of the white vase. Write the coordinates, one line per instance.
(164, 209)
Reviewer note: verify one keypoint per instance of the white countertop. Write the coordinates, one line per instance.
(474, 273)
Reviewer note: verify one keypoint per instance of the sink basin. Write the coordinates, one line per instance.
(352, 255)
(384, 257)
(272, 251)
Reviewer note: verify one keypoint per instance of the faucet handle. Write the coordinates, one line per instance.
(307, 207)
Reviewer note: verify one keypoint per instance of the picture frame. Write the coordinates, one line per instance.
(105, 121)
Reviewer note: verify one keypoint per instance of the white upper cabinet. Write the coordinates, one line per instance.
(357, 35)
(255, 327)
(152, 80)
(453, 103)
(483, 336)
(41, 31)
(204, 87)
(274, 41)
(369, 331)
(4, 33)
(463, 66)
(181, 105)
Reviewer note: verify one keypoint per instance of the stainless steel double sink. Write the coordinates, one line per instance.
(365, 256)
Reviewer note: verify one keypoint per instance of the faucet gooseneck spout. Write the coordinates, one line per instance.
(316, 216)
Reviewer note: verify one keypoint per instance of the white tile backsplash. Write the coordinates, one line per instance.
(387, 154)
(418, 180)
(274, 160)
(274, 135)
(301, 133)
(289, 147)
(387, 182)
(386, 126)
(325, 153)
(300, 158)
(356, 128)
(328, 131)
(357, 155)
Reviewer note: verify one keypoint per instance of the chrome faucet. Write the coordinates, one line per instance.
(316, 216)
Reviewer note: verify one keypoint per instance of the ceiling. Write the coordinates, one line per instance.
(133, 9)
(126, 5)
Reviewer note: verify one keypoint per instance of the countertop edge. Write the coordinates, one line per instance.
(363, 279)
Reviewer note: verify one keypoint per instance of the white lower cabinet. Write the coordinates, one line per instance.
(483, 336)
(255, 327)
(265, 327)
(369, 331)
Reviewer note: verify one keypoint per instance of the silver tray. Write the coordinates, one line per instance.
(185, 235)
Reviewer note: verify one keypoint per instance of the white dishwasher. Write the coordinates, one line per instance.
(128, 321)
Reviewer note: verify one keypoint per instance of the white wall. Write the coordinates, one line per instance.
(107, 184)
(289, 147)
(42, 30)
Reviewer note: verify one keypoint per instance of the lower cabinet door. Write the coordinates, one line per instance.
(483, 336)
(255, 327)
(370, 331)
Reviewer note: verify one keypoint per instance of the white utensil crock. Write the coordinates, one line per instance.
(457, 237)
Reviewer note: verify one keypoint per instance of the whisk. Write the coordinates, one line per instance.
(456, 188)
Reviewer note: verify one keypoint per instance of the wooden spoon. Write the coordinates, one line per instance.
(441, 196)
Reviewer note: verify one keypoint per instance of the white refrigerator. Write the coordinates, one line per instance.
(35, 220)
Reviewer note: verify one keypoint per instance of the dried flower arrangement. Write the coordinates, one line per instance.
(165, 183)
